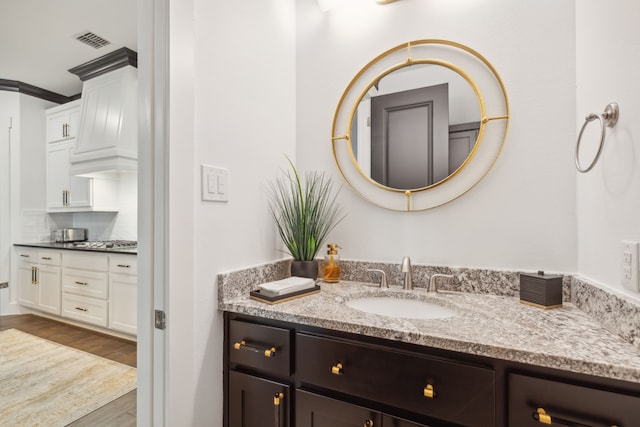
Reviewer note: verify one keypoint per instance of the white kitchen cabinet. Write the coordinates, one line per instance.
(67, 192)
(64, 191)
(38, 276)
(84, 287)
(123, 294)
(27, 291)
(84, 309)
(63, 121)
(98, 288)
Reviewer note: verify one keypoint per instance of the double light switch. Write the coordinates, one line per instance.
(215, 184)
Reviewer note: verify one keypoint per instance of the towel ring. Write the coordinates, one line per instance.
(607, 119)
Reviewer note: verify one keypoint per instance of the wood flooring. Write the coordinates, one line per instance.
(121, 412)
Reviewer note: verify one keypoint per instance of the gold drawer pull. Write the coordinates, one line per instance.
(24, 256)
(429, 391)
(124, 266)
(276, 407)
(267, 352)
(337, 369)
(368, 423)
(277, 397)
(82, 309)
(82, 283)
(48, 258)
(543, 417)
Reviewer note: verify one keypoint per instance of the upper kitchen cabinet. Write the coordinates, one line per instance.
(65, 192)
(63, 121)
(107, 141)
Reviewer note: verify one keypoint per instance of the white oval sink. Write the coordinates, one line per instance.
(400, 308)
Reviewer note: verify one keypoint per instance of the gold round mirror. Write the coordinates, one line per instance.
(412, 130)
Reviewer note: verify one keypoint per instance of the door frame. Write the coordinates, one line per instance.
(153, 192)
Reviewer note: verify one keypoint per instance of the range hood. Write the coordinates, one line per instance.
(107, 141)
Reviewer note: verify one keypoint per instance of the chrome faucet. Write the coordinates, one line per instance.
(406, 273)
(433, 281)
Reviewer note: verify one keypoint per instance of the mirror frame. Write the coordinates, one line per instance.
(491, 94)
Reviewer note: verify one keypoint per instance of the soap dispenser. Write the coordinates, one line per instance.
(331, 270)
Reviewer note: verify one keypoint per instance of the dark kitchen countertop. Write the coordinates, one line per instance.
(69, 246)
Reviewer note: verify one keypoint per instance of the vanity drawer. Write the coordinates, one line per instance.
(568, 404)
(253, 345)
(461, 393)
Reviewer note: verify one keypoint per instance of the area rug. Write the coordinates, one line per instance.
(43, 383)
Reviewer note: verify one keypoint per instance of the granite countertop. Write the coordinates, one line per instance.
(69, 246)
(495, 326)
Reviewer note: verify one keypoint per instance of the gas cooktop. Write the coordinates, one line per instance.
(105, 244)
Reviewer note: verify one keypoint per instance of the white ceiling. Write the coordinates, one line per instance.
(37, 43)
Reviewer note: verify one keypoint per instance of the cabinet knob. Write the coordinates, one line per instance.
(277, 398)
(368, 423)
(337, 369)
(429, 391)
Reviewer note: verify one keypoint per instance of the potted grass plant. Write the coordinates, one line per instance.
(304, 211)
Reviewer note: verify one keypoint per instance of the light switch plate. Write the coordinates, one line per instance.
(215, 183)
(629, 265)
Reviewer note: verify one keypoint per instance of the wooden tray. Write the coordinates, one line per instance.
(256, 295)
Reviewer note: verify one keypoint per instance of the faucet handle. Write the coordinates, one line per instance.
(383, 277)
(433, 280)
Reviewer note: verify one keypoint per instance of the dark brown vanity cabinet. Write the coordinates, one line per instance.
(288, 375)
(258, 390)
(534, 401)
(319, 411)
(255, 401)
(442, 389)
(315, 410)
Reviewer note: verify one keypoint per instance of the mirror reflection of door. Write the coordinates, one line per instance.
(410, 137)
(462, 138)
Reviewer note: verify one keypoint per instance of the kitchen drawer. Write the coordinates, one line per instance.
(438, 388)
(568, 404)
(85, 282)
(85, 261)
(252, 345)
(49, 257)
(125, 264)
(27, 255)
(85, 309)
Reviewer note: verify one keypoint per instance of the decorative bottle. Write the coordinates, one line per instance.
(331, 269)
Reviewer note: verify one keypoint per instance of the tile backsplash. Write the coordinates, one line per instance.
(37, 224)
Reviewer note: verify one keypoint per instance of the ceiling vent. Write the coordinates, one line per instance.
(92, 39)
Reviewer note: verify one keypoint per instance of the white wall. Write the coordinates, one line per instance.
(522, 214)
(608, 206)
(233, 106)
(9, 108)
